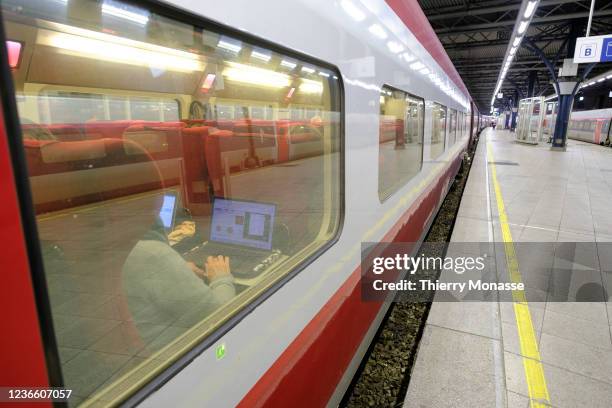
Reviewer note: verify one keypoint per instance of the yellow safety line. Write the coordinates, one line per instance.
(534, 372)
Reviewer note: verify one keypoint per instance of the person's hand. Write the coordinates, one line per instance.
(217, 267)
(197, 271)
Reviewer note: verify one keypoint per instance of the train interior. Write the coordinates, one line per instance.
(116, 117)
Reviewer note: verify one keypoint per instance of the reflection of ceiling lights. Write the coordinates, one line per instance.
(417, 65)
(308, 70)
(288, 64)
(378, 31)
(395, 47)
(352, 10)
(229, 45)
(255, 76)
(262, 56)
(106, 47)
(408, 57)
(311, 87)
(118, 10)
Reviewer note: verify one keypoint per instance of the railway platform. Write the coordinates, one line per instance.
(494, 354)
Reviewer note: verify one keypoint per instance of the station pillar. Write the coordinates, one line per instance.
(514, 111)
(566, 100)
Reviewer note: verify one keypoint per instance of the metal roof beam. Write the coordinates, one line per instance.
(510, 23)
(493, 9)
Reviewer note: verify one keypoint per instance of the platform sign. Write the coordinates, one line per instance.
(593, 49)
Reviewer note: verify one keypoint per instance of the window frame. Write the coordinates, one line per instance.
(404, 182)
(17, 152)
(446, 125)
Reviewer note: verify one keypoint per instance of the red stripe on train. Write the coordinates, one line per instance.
(308, 371)
(410, 12)
(22, 357)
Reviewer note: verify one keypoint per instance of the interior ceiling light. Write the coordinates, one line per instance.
(118, 10)
(229, 45)
(522, 27)
(288, 64)
(517, 41)
(311, 87)
(119, 50)
(261, 55)
(256, 76)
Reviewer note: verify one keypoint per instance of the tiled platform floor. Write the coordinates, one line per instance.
(470, 355)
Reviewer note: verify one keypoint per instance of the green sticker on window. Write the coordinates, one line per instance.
(220, 351)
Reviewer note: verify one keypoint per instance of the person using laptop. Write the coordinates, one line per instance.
(164, 289)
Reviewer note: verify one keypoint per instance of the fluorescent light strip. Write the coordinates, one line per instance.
(311, 87)
(261, 56)
(122, 51)
(255, 76)
(229, 46)
(115, 11)
(288, 64)
(530, 9)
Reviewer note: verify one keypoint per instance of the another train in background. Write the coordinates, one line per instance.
(591, 126)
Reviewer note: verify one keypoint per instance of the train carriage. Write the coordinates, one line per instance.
(140, 138)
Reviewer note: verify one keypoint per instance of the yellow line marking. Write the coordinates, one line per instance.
(532, 362)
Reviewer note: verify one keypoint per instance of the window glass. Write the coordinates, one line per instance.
(452, 136)
(438, 134)
(400, 149)
(132, 194)
(71, 107)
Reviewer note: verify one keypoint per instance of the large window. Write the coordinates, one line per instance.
(400, 151)
(438, 133)
(151, 146)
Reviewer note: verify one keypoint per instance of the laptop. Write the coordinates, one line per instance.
(242, 230)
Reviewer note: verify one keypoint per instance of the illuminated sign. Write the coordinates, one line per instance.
(593, 49)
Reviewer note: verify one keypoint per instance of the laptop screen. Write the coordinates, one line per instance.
(168, 210)
(245, 223)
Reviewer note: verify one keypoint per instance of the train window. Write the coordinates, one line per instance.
(438, 134)
(132, 195)
(400, 149)
(452, 135)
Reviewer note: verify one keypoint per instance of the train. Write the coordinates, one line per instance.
(591, 126)
(176, 125)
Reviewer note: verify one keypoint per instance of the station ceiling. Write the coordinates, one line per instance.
(475, 34)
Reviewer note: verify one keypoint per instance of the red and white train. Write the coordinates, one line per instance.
(591, 126)
(347, 118)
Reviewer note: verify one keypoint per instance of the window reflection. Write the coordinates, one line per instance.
(400, 154)
(175, 173)
(438, 136)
